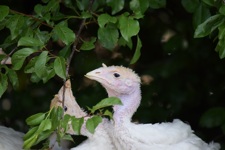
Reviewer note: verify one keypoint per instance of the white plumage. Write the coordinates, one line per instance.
(10, 139)
(123, 83)
(100, 140)
(121, 133)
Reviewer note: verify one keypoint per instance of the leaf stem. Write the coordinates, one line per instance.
(32, 17)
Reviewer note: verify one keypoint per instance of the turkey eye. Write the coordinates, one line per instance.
(65, 108)
(116, 75)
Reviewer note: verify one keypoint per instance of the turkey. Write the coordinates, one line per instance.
(123, 83)
(10, 139)
(13, 140)
(100, 140)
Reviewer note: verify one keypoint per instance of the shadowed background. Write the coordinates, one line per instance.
(182, 77)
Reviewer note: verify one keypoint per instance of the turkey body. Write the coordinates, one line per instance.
(123, 83)
(175, 135)
(10, 139)
(100, 140)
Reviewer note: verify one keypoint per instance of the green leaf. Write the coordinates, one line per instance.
(65, 122)
(88, 45)
(60, 67)
(44, 126)
(42, 136)
(108, 36)
(13, 78)
(50, 73)
(200, 15)
(190, 5)
(52, 6)
(128, 27)
(34, 78)
(77, 124)
(139, 6)
(110, 101)
(2, 56)
(221, 36)
(30, 133)
(222, 10)
(92, 123)
(214, 117)
(86, 14)
(116, 5)
(19, 57)
(221, 49)
(39, 10)
(39, 67)
(65, 52)
(108, 113)
(67, 138)
(221, 28)
(4, 11)
(15, 24)
(64, 33)
(29, 68)
(155, 4)
(42, 36)
(30, 142)
(213, 3)
(104, 19)
(82, 4)
(123, 42)
(35, 119)
(208, 26)
(29, 41)
(56, 116)
(137, 53)
(3, 84)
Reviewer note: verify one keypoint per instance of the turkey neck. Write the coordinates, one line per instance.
(131, 101)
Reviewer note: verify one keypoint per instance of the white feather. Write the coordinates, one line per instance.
(126, 135)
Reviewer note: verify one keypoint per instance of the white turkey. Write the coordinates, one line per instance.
(10, 139)
(123, 83)
(100, 140)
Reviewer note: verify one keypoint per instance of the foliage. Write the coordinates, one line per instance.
(32, 55)
(31, 34)
(42, 125)
(42, 46)
(207, 23)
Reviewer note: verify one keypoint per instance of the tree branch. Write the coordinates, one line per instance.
(32, 17)
(74, 49)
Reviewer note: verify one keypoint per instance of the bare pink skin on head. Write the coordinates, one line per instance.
(123, 83)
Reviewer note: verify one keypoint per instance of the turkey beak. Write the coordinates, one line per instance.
(93, 75)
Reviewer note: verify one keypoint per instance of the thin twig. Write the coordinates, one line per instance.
(5, 60)
(74, 48)
(32, 17)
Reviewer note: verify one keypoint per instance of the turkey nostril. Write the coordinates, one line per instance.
(97, 72)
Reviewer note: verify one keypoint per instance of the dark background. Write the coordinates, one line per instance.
(186, 74)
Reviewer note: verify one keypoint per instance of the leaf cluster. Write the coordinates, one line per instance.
(42, 125)
(31, 35)
(208, 23)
